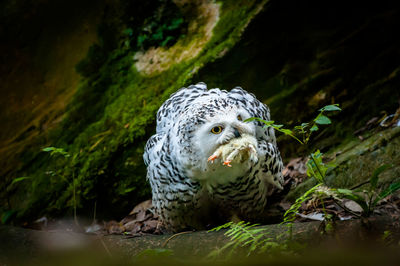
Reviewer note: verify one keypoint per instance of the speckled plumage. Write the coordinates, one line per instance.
(189, 192)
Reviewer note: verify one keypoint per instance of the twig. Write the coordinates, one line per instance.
(181, 233)
(346, 209)
(359, 185)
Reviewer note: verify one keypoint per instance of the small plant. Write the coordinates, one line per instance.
(163, 28)
(304, 129)
(254, 239)
(316, 168)
(368, 198)
(247, 236)
(60, 151)
(55, 151)
(290, 214)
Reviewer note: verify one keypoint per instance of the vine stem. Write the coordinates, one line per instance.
(173, 236)
(346, 209)
(359, 185)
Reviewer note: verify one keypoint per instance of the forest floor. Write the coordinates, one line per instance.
(347, 236)
(371, 241)
(350, 61)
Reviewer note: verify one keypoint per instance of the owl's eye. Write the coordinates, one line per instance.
(216, 130)
(239, 117)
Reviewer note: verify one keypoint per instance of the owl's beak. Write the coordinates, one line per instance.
(236, 133)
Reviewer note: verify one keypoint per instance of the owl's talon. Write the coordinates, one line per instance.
(228, 163)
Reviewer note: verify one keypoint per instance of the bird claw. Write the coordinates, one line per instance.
(235, 153)
(212, 158)
(228, 163)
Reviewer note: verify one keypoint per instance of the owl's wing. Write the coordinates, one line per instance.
(167, 116)
(270, 164)
(149, 150)
(256, 109)
(171, 109)
(173, 194)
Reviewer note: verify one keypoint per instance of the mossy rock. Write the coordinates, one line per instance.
(263, 46)
(356, 160)
(112, 113)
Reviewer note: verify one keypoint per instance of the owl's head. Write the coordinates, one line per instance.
(205, 127)
(221, 128)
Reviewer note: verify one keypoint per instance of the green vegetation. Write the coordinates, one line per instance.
(155, 23)
(59, 151)
(165, 35)
(255, 240)
(247, 237)
(294, 56)
(304, 129)
(113, 111)
(368, 198)
(112, 114)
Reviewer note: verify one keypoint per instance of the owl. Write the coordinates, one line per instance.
(206, 165)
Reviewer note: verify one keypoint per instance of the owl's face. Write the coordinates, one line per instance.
(218, 129)
(221, 128)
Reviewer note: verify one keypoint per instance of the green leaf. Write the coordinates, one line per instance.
(175, 24)
(268, 123)
(271, 124)
(375, 175)
(54, 150)
(322, 120)
(250, 119)
(301, 127)
(221, 227)
(127, 190)
(286, 131)
(165, 42)
(48, 149)
(277, 126)
(332, 107)
(315, 167)
(345, 191)
(349, 194)
(19, 179)
(7, 215)
(390, 190)
(290, 214)
(314, 128)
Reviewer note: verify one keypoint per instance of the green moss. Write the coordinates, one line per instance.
(356, 161)
(112, 115)
(113, 111)
(297, 66)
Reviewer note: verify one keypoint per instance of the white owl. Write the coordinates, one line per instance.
(205, 164)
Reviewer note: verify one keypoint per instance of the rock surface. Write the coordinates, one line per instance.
(295, 56)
